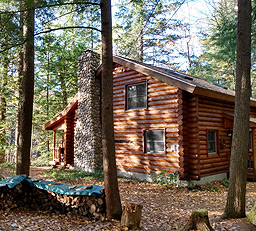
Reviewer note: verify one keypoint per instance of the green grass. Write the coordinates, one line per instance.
(72, 175)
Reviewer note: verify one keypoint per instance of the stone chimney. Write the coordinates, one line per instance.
(88, 142)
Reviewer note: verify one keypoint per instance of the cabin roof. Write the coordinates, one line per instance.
(185, 82)
(60, 117)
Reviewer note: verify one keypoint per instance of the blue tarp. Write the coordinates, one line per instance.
(86, 190)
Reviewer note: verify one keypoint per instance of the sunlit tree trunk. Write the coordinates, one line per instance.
(113, 202)
(24, 142)
(235, 206)
(3, 85)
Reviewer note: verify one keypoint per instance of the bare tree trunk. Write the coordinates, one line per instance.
(3, 85)
(63, 90)
(20, 76)
(113, 202)
(24, 142)
(235, 206)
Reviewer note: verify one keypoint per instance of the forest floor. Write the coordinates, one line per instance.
(164, 208)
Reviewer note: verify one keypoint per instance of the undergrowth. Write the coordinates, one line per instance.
(7, 170)
(72, 175)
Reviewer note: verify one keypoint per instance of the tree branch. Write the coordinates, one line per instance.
(55, 5)
(68, 27)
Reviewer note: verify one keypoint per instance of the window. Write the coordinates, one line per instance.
(250, 141)
(212, 142)
(136, 96)
(155, 141)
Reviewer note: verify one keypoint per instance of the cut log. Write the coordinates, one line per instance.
(131, 215)
(198, 220)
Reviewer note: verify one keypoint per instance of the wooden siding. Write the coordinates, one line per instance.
(70, 124)
(163, 112)
(200, 115)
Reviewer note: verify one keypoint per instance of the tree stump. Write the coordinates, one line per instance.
(131, 215)
(198, 221)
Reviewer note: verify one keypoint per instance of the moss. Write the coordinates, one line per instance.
(201, 212)
(252, 215)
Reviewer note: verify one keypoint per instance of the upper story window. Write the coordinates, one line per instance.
(136, 96)
(212, 142)
(155, 141)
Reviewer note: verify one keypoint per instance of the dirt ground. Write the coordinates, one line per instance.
(163, 209)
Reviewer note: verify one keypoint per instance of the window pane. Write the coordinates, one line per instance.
(136, 96)
(212, 142)
(250, 140)
(155, 141)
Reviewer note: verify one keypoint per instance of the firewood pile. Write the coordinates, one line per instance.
(23, 195)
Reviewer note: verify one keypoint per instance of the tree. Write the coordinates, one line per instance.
(143, 30)
(113, 202)
(235, 206)
(24, 143)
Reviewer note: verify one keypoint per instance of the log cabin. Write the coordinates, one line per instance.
(163, 121)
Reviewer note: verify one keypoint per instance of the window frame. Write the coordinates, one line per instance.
(145, 140)
(126, 95)
(216, 142)
(250, 148)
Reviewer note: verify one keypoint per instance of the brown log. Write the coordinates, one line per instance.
(198, 220)
(131, 215)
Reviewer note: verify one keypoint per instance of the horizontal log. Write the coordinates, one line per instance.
(215, 103)
(170, 127)
(214, 170)
(125, 117)
(140, 122)
(159, 85)
(209, 125)
(131, 81)
(125, 73)
(145, 169)
(152, 110)
(174, 163)
(148, 156)
(131, 114)
(162, 93)
(163, 102)
(165, 97)
(117, 95)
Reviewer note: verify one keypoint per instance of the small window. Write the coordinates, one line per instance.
(136, 96)
(212, 142)
(155, 141)
(250, 141)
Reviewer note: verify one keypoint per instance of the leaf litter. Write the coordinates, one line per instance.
(164, 208)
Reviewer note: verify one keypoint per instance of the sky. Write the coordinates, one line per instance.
(195, 13)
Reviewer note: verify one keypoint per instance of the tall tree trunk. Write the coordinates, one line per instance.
(113, 202)
(20, 76)
(235, 206)
(63, 89)
(24, 142)
(3, 85)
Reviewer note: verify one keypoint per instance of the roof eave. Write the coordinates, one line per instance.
(51, 123)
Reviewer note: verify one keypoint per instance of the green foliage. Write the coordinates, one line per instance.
(72, 175)
(143, 30)
(7, 170)
(41, 159)
(165, 178)
(225, 183)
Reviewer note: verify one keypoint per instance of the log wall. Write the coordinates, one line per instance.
(70, 125)
(201, 115)
(164, 111)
